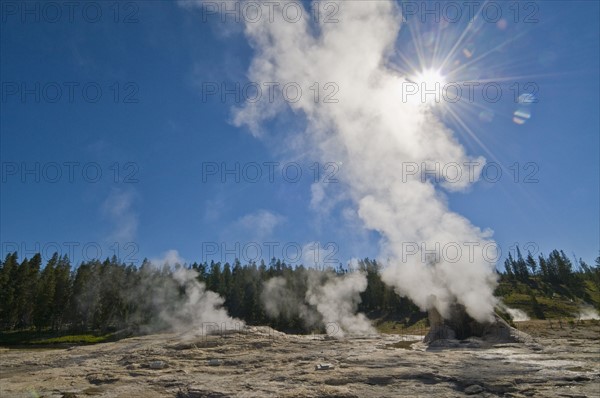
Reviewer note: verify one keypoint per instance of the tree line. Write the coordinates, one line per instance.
(556, 271)
(110, 295)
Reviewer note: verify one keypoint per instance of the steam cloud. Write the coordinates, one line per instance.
(516, 314)
(588, 312)
(336, 300)
(182, 303)
(329, 300)
(373, 133)
(200, 311)
(280, 299)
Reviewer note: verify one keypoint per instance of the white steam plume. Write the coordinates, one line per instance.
(373, 132)
(516, 314)
(587, 312)
(183, 303)
(281, 299)
(337, 300)
(330, 301)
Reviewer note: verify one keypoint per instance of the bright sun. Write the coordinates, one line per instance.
(429, 81)
(430, 77)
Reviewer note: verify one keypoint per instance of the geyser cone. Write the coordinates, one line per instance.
(460, 326)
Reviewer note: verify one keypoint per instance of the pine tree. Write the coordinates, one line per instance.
(26, 290)
(531, 263)
(543, 268)
(110, 305)
(44, 305)
(508, 269)
(214, 276)
(553, 266)
(514, 266)
(8, 277)
(522, 266)
(565, 269)
(226, 285)
(85, 298)
(62, 292)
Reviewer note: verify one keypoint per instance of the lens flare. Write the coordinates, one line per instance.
(431, 78)
(430, 83)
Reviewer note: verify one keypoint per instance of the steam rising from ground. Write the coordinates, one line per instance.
(337, 299)
(281, 299)
(516, 315)
(199, 311)
(588, 312)
(330, 301)
(373, 132)
(183, 303)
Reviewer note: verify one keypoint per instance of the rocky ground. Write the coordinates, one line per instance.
(561, 361)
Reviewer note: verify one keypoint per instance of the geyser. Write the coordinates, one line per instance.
(458, 325)
(373, 132)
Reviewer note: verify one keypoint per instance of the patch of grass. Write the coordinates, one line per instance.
(420, 327)
(35, 338)
(562, 328)
(541, 300)
(405, 345)
(74, 339)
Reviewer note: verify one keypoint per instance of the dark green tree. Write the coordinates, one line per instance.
(531, 263)
(44, 302)
(509, 269)
(8, 293)
(62, 292)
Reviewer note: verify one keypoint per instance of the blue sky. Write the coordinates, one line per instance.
(153, 137)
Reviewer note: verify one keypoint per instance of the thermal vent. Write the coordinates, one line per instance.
(460, 326)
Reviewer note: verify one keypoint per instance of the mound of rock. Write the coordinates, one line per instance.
(460, 327)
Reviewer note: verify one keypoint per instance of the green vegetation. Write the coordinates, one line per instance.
(55, 304)
(405, 345)
(420, 327)
(550, 287)
(49, 338)
(74, 339)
